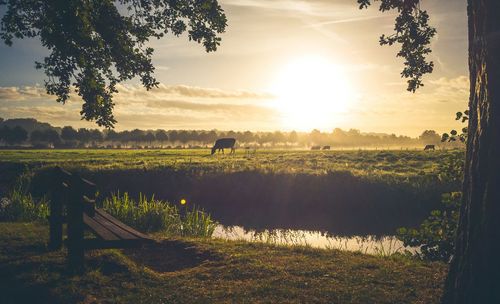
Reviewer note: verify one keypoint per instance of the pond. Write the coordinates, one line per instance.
(369, 244)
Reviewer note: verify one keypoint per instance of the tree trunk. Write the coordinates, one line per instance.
(474, 275)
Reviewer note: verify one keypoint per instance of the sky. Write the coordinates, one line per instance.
(282, 65)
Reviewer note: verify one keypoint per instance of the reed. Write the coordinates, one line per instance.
(151, 215)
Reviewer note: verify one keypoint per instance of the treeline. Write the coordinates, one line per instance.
(69, 137)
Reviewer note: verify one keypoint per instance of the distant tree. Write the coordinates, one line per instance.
(183, 136)
(69, 134)
(278, 137)
(173, 136)
(3, 133)
(293, 137)
(161, 136)
(137, 135)
(36, 137)
(149, 137)
(83, 135)
(316, 137)
(247, 137)
(112, 136)
(52, 137)
(429, 137)
(125, 137)
(212, 136)
(13, 136)
(96, 136)
(94, 45)
(48, 136)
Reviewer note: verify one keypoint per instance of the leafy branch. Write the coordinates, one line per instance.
(413, 32)
(454, 135)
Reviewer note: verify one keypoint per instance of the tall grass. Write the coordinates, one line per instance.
(196, 222)
(152, 215)
(19, 205)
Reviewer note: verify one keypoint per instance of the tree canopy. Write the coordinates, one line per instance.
(96, 44)
(413, 32)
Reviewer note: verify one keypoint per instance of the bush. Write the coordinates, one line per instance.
(150, 215)
(436, 235)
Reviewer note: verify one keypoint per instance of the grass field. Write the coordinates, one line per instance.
(359, 162)
(208, 271)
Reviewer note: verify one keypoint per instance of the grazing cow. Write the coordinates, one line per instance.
(325, 148)
(429, 147)
(315, 147)
(223, 143)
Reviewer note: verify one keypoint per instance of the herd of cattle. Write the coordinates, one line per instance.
(228, 143)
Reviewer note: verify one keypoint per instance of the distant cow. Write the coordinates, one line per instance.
(429, 147)
(325, 148)
(315, 147)
(223, 143)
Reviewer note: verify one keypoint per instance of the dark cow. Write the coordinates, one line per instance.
(326, 148)
(223, 143)
(315, 147)
(429, 147)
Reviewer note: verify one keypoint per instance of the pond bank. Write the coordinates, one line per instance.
(224, 272)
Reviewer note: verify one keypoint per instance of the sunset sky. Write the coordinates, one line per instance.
(283, 64)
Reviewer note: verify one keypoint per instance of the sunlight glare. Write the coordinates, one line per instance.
(312, 92)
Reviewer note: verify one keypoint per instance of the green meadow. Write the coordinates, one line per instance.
(404, 163)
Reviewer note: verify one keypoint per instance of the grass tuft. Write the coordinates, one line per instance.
(152, 215)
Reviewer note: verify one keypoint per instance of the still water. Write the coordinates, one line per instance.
(379, 245)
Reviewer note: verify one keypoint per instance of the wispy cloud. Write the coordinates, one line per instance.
(350, 20)
(168, 106)
(22, 93)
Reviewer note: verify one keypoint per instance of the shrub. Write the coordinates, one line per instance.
(436, 235)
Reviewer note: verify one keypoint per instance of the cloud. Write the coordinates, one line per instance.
(309, 7)
(22, 93)
(350, 20)
(168, 106)
(241, 111)
(452, 86)
(129, 93)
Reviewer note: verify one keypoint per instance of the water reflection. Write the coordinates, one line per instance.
(379, 245)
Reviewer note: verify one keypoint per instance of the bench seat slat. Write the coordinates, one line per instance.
(99, 229)
(123, 226)
(117, 230)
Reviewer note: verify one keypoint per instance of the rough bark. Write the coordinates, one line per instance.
(474, 275)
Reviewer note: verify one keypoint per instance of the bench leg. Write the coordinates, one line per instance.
(56, 223)
(75, 233)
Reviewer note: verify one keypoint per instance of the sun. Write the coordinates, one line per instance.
(312, 93)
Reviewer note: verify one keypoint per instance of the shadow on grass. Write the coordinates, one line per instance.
(171, 255)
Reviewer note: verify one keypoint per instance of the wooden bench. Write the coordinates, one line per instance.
(111, 233)
(75, 194)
